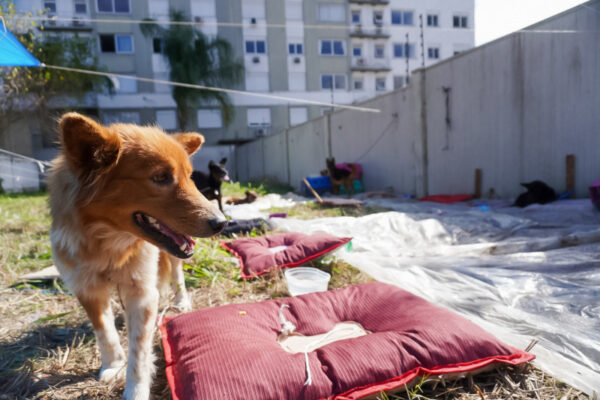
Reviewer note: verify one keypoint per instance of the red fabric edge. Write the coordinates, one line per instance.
(170, 370)
(519, 357)
(448, 198)
(225, 245)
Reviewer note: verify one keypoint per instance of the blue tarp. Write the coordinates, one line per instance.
(13, 53)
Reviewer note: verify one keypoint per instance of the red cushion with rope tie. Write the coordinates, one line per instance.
(237, 351)
(260, 255)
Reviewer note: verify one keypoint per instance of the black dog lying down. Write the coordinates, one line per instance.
(537, 192)
(209, 184)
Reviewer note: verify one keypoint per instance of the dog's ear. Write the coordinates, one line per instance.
(191, 141)
(211, 164)
(223, 161)
(88, 146)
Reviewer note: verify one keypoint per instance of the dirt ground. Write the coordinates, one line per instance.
(47, 346)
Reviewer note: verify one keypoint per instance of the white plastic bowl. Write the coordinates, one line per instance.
(303, 280)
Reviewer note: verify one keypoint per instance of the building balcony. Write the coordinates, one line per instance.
(72, 25)
(370, 2)
(367, 65)
(377, 32)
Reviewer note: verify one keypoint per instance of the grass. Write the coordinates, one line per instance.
(47, 346)
(237, 189)
(24, 226)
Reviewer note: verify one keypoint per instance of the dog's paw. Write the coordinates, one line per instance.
(182, 304)
(137, 391)
(114, 374)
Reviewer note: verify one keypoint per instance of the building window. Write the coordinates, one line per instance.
(404, 50)
(293, 10)
(157, 45)
(378, 18)
(116, 43)
(297, 81)
(298, 115)
(460, 21)
(332, 13)
(398, 82)
(259, 116)
(256, 47)
(114, 117)
(380, 84)
(334, 81)
(358, 84)
(355, 17)
(432, 20)
(50, 6)
(402, 17)
(80, 7)
(379, 51)
(166, 119)
(295, 48)
(257, 81)
(210, 119)
(332, 48)
(113, 6)
(357, 51)
(433, 53)
(126, 86)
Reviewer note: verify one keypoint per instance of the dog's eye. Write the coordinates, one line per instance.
(163, 178)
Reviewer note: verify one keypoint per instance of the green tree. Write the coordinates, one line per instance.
(27, 89)
(194, 58)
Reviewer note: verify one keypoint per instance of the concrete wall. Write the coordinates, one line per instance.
(518, 107)
(383, 143)
(515, 108)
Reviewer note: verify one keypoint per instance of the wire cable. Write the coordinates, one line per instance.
(228, 24)
(215, 89)
(281, 26)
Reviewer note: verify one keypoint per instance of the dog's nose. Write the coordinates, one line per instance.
(218, 224)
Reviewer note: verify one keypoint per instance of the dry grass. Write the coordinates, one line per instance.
(47, 346)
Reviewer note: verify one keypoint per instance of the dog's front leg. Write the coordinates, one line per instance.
(141, 303)
(97, 306)
(182, 300)
(219, 197)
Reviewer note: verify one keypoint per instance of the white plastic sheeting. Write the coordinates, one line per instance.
(522, 274)
(259, 209)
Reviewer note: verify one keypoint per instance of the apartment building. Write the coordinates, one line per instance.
(341, 51)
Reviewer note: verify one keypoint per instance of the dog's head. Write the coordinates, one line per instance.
(251, 196)
(330, 162)
(137, 179)
(218, 171)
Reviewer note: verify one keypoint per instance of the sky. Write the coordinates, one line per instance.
(496, 18)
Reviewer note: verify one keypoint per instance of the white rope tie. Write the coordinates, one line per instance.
(286, 326)
(160, 317)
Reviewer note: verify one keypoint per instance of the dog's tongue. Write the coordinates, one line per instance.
(177, 238)
(226, 178)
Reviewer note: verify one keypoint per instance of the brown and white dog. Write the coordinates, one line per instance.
(124, 211)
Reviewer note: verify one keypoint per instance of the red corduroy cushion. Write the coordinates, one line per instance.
(256, 258)
(232, 351)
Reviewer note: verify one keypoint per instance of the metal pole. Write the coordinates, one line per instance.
(406, 51)
(422, 42)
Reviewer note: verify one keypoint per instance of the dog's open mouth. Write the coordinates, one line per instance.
(179, 245)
